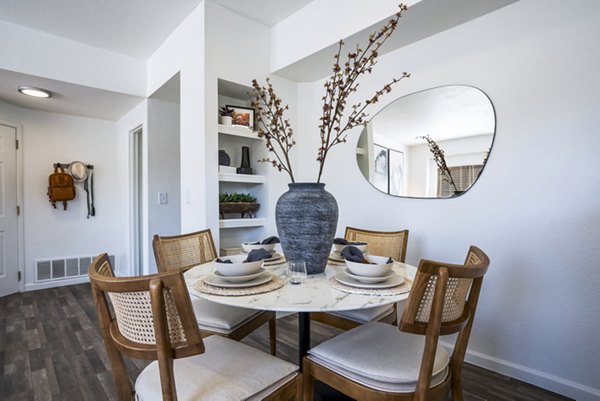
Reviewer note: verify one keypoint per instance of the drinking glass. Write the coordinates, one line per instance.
(296, 271)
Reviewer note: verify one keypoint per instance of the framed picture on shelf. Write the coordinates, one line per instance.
(380, 168)
(243, 116)
(396, 172)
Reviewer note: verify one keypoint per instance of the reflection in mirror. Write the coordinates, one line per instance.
(395, 157)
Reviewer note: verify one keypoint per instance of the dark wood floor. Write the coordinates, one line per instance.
(51, 349)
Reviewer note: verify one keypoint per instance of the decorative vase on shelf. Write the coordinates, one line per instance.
(306, 217)
(245, 168)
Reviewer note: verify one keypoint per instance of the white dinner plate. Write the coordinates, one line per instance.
(393, 281)
(217, 281)
(369, 279)
(239, 279)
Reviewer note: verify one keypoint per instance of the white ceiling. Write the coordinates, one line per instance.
(131, 27)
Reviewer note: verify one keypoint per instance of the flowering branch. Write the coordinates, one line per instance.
(440, 160)
(343, 82)
(272, 127)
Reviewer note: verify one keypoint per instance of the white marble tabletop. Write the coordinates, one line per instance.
(314, 295)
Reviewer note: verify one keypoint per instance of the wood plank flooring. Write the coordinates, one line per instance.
(51, 349)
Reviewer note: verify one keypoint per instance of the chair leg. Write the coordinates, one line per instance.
(273, 336)
(308, 382)
(457, 390)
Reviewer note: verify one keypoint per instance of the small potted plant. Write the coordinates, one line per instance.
(225, 115)
(237, 203)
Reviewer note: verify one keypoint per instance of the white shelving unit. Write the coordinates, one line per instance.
(245, 178)
(241, 223)
(232, 138)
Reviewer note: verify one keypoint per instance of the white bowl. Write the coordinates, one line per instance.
(247, 247)
(338, 247)
(238, 267)
(380, 268)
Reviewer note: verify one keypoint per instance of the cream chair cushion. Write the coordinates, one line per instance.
(220, 318)
(365, 315)
(380, 356)
(226, 371)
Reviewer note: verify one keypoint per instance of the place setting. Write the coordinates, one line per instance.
(368, 274)
(339, 244)
(268, 244)
(240, 275)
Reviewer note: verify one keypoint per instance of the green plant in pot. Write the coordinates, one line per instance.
(243, 203)
(306, 215)
(226, 115)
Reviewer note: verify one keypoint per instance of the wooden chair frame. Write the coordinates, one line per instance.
(474, 268)
(206, 252)
(398, 254)
(163, 350)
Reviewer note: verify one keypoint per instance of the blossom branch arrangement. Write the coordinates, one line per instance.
(339, 86)
(276, 130)
(343, 82)
(440, 160)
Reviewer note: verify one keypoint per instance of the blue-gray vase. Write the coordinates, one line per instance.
(306, 217)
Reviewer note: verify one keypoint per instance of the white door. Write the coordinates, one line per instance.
(9, 281)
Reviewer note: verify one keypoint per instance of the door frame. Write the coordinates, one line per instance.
(20, 198)
(136, 197)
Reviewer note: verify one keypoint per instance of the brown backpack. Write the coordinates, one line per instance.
(61, 187)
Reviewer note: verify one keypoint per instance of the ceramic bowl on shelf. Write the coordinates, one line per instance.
(377, 268)
(339, 247)
(238, 267)
(250, 246)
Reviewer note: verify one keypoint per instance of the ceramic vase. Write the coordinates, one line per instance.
(306, 217)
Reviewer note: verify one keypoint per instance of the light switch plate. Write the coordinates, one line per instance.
(163, 198)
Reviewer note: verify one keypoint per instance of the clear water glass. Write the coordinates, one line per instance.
(296, 272)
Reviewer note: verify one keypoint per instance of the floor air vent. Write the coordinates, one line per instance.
(62, 268)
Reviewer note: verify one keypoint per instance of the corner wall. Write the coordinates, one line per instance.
(534, 209)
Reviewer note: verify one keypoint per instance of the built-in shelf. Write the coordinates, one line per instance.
(237, 223)
(238, 130)
(245, 178)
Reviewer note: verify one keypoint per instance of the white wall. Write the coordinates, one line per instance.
(55, 233)
(163, 170)
(535, 208)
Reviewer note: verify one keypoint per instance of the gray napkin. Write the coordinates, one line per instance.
(257, 254)
(269, 240)
(353, 254)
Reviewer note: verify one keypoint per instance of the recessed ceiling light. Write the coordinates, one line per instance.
(35, 92)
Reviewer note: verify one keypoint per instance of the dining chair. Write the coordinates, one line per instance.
(384, 243)
(152, 318)
(184, 251)
(405, 362)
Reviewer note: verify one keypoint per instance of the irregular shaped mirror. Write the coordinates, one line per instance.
(429, 144)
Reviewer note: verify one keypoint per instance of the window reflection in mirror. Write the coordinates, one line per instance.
(395, 158)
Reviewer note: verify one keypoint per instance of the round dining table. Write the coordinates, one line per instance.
(315, 294)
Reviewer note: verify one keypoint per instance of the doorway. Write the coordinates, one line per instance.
(136, 145)
(9, 232)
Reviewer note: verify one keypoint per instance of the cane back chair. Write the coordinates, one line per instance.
(153, 319)
(407, 364)
(182, 252)
(384, 243)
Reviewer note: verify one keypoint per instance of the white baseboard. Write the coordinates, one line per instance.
(56, 283)
(556, 384)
